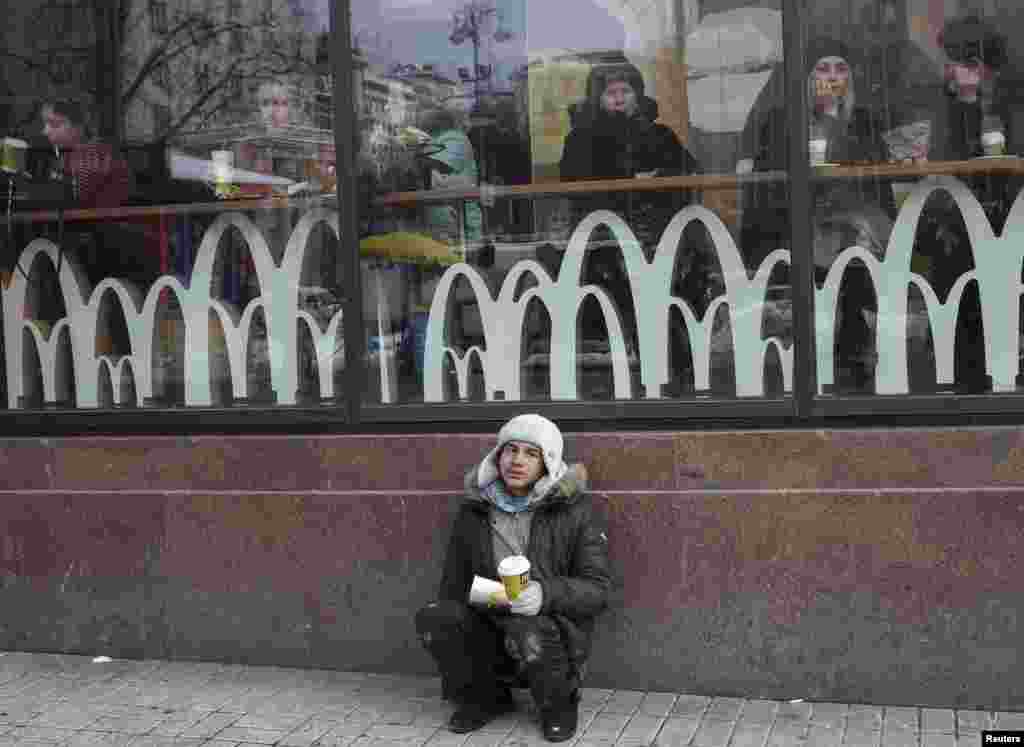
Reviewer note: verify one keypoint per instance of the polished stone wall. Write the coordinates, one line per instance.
(881, 566)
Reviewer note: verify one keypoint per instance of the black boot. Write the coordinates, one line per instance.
(473, 715)
(559, 722)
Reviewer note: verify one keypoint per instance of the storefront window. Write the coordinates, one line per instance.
(556, 197)
(169, 235)
(573, 201)
(916, 114)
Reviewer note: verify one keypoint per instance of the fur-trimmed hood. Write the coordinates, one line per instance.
(565, 491)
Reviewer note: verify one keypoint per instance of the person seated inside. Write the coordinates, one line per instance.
(976, 53)
(845, 212)
(97, 175)
(615, 134)
(521, 500)
(851, 133)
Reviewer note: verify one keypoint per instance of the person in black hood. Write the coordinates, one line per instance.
(614, 133)
(976, 52)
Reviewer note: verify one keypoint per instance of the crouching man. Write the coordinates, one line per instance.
(521, 500)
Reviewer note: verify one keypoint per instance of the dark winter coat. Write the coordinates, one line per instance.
(568, 552)
(605, 146)
(765, 224)
(613, 146)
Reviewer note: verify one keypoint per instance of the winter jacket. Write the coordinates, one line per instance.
(610, 146)
(604, 146)
(568, 552)
(843, 205)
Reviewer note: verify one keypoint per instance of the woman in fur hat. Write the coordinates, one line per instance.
(614, 133)
(522, 499)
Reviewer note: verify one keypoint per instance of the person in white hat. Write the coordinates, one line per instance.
(522, 499)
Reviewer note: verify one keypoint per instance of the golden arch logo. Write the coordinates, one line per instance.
(650, 284)
(279, 304)
(998, 261)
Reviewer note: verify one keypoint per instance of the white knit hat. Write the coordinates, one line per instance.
(532, 429)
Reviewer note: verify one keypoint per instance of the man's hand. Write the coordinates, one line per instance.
(529, 601)
(497, 599)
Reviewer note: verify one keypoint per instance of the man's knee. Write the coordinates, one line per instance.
(532, 640)
(439, 619)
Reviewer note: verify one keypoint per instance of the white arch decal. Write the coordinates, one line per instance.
(998, 262)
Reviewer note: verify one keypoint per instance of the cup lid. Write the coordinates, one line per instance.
(513, 565)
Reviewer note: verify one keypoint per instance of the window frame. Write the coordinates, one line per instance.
(803, 408)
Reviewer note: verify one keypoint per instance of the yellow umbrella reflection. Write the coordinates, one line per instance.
(400, 247)
(410, 248)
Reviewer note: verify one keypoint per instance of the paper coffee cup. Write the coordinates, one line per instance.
(12, 154)
(222, 169)
(817, 147)
(993, 143)
(515, 574)
(485, 591)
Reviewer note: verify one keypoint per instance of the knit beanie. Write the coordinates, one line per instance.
(970, 37)
(823, 46)
(532, 429)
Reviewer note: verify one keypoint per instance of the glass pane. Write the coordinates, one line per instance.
(170, 237)
(917, 123)
(569, 200)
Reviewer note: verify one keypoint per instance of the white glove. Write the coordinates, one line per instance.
(529, 601)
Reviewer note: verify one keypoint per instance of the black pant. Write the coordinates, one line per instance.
(472, 649)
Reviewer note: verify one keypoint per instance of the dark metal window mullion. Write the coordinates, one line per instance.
(805, 382)
(347, 186)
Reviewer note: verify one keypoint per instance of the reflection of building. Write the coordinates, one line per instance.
(388, 104)
(208, 82)
(430, 86)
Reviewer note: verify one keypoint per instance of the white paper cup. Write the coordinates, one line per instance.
(514, 572)
(484, 591)
(993, 143)
(816, 148)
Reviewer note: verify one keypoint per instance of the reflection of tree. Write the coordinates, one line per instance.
(190, 61)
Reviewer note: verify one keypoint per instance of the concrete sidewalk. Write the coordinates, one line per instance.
(48, 699)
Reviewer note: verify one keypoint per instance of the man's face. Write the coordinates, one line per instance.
(520, 464)
(619, 96)
(59, 130)
(831, 77)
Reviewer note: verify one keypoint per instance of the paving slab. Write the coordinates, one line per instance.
(712, 734)
(690, 705)
(750, 734)
(940, 740)
(658, 704)
(1005, 720)
(641, 731)
(724, 709)
(825, 735)
(861, 738)
(938, 720)
(864, 718)
(624, 701)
